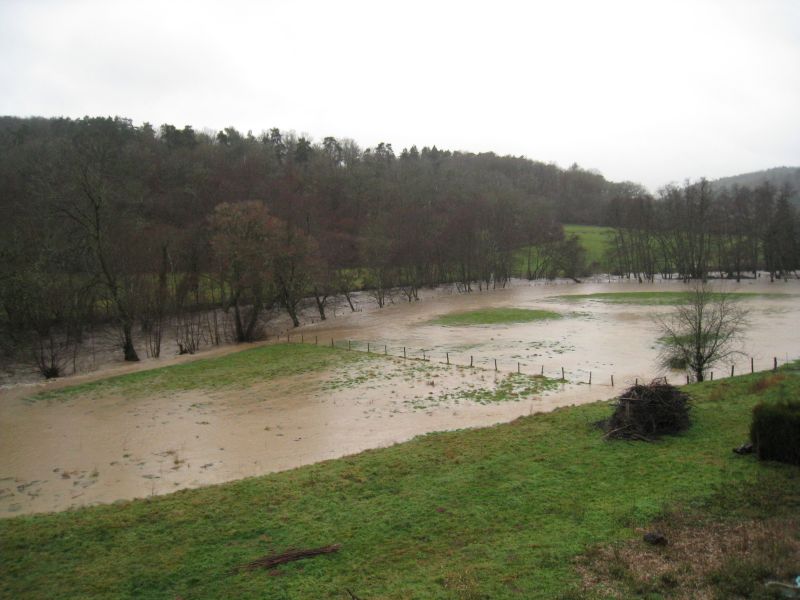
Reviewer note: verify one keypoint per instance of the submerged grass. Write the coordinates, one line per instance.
(239, 369)
(499, 512)
(494, 316)
(513, 387)
(656, 298)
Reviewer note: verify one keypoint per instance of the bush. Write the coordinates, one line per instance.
(775, 431)
(644, 412)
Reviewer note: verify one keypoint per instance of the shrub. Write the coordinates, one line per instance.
(644, 412)
(775, 431)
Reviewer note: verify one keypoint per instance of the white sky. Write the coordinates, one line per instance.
(645, 91)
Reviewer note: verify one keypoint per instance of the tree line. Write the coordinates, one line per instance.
(696, 231)
(171, 233)
(197, 235)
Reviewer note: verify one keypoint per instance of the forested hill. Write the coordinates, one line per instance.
(777, 176)
(192, 170)
(198, 235)
(104, 222)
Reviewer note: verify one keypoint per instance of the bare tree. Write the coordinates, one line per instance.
(702, 331)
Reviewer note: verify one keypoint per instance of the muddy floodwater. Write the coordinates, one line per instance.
(99, 449)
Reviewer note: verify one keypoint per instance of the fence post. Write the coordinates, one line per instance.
(687, 379)
(590, 378)
(384, 349)
(752, 366)
(302, 339)
(367, 347)
(495, 364)
(731, 370)
(562, 373)
(287, 338)
(470, 361)
(404, 351)
(775, 363)
(542, 370)
(331, 342)
(518, 371)
(447, 354)
(316, 340)
(712, 375)
(612, 380)
(348, 345)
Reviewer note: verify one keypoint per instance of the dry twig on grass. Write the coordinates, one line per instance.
(273, 560)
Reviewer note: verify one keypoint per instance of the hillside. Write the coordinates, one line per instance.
(777, 176)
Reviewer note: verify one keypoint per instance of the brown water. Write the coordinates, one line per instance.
(55, 455)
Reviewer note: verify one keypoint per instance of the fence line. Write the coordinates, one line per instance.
(424, 355)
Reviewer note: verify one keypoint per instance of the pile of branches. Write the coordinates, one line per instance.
(645, 412)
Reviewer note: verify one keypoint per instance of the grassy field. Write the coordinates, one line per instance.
(654, 298)
(494, 316)
(510, 511)
(239, 369)
(594, 239)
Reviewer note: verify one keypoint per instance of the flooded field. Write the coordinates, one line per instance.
(593, 333)
(107, 446)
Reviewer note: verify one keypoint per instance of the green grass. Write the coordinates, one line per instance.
(236, 370)
(595, 240)
(499, 512)
(513, 387)
(493, 316)
(655, 298)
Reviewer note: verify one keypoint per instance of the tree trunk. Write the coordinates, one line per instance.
(237, 321)
(320, 305)
(293, 314)
(127, 343)
(350, 302)
(250, 332)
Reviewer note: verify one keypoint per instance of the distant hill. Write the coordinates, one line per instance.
(776, 176)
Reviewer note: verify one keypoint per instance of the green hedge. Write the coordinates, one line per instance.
(775, 431)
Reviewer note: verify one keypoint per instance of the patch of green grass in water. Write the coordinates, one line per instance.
(498, 512)
(494, 316)
(376, 370)
(513, 387)
(655, 298)
(236, 370)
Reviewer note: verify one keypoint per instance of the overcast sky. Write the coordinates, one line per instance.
(652, 92)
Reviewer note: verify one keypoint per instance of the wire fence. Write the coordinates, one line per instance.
(748, 365)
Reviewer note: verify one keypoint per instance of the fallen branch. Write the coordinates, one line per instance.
(268, 562)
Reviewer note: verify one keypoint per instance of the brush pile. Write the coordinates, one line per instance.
(645, 412)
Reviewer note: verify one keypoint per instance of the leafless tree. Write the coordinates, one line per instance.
(702, 331)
